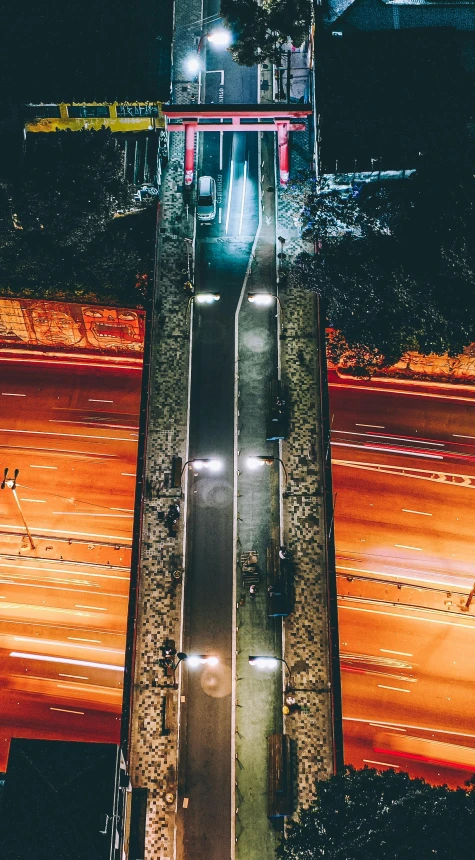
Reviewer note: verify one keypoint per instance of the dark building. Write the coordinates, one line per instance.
(62, 800)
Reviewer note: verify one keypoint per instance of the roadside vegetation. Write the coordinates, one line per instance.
(60, 237)
(372, 815)
(394, 263)
(261, 29)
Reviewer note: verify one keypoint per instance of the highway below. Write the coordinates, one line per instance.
(403, 458)
(72, 431)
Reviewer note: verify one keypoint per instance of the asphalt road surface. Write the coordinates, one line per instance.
(72, 432)
(222, 252)
(404, 473)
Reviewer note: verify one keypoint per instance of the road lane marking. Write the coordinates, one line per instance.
(220, 214)
(129, 474)
(243, 198)
(55, 642)
(96, 400)
(37, 501)
(408, 472)
(67, 711)
(383, 763)
(80, 677)
(93, 574)
(230, 193)
(421, 513)
(460, 436)
(404, 546)
(386, 726)
(377, 426)
(408, 726)
(39, 531)
(400, 653)
(397, 689)
(128, 510)
(79, 639)
(388, 450)
(10, 394)
(42, 467)
(94, 421)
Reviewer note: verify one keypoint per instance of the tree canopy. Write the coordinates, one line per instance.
(260, 30)
(396, 265)
(58, 234)
(382, 815)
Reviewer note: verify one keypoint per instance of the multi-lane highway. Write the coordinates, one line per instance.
(71, 429)
(404, 474)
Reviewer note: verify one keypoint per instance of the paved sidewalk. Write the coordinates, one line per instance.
(258, 694)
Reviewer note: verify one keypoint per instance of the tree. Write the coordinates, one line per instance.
(382, 815)
(260, 31)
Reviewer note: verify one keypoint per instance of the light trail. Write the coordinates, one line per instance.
(421, 513)
(37, 531)
(230, 194)
(367, 720)
(400, 391)
(23, 655)
(243, 198)
(68, 435)
(389, 449)
(120, 652)
(396, 438)
(410, 472)
(408, 618)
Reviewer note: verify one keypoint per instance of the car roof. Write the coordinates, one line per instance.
(205, 184)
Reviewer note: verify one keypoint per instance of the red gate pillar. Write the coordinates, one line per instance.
(283, 144)
(189, 152)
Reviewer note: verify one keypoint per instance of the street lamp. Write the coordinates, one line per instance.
(11, 484)
(263, 663)
(168, 661)
(220, 38)
(265, 300)
(200, 299)
(199, 463)
(265, 460)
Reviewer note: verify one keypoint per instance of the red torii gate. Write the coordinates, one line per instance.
(268, 117)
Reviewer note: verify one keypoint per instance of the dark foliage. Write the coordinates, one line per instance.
(58, 234)
(259, 31)
(373, 815)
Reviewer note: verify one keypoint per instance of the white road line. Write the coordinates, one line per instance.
(400, 653)
(230, 193)
(383, 763)
(243, 198)
(220, 214)
(10, 394)
(94, 422)
(39, 530)
(74, 572)
(67, 711)
(221, 138)
(96, 400)
(128, 510)
(80, 677)
(78, 639)
(386, 726)
(82, 514)
(421, 513)
(38, 501)
(378, 426)
(397, 689)
(42, 467)
(460, 436)
(404, 546)
(128, 474)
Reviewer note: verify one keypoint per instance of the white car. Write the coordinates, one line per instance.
(206, 205)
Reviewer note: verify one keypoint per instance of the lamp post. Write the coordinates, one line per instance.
(199, 463)
(265, 460)
(169, 664)
(11, 484)
(264, 300)
(261, 662)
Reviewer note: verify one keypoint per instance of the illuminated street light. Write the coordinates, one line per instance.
(193, 65)
(206, 298)
(199, 659)
(11, 484)
(263, 663)
(265, 460)
(211, 463)
(221, 38)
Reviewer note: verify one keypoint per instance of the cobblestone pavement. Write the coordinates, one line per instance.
(153, 752)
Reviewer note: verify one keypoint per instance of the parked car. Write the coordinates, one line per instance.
(206, 205)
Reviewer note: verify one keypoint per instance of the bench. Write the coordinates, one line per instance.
(280, 793)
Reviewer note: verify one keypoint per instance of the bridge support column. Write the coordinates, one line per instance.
(283, 145)
(190, 128)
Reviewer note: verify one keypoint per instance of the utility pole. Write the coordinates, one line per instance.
(11, 484)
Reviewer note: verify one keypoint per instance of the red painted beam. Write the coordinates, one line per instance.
(215, 126)
(220, 111)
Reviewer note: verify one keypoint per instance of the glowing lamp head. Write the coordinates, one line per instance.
(207, 298)
(211, 464)
(221, 38)
(200, 659)
(263, 662)
(263, 300)
(193, 65)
